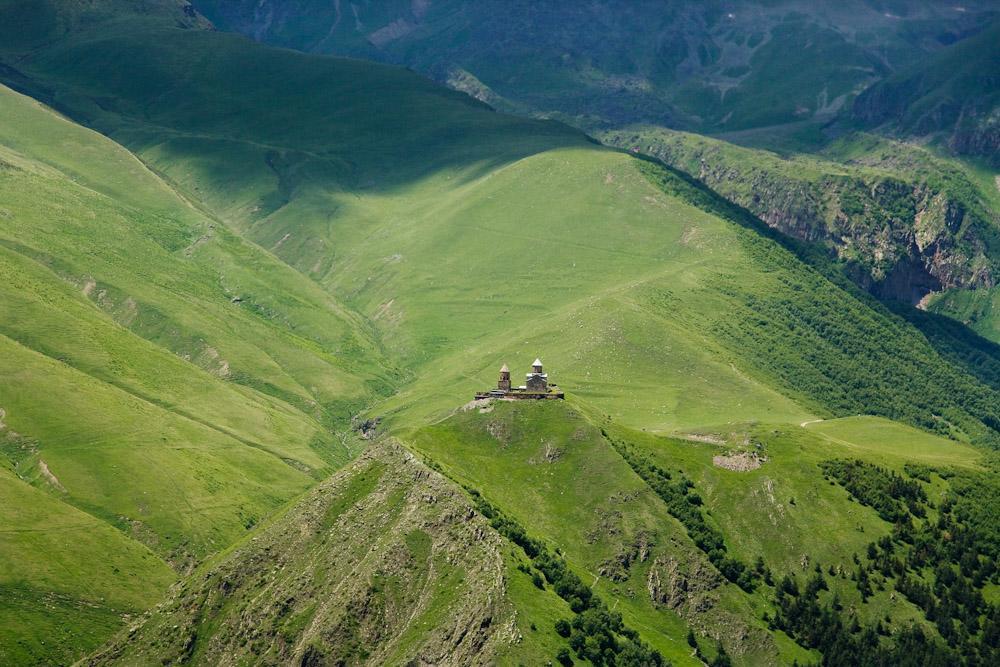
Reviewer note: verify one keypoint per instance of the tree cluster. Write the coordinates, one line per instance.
(595, 633)
(685, 505)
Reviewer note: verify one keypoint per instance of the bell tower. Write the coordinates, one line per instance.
(504, 383)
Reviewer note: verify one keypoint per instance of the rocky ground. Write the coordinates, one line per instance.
(386, 562)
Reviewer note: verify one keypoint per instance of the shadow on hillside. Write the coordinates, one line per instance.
(149, 85)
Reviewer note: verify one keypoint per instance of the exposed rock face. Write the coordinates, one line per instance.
(899, 239)
(739, 461)
(692, 589)
(683, 586)
(384, 563)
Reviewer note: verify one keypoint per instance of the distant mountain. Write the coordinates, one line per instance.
(782, 75)
(218, 257)
(701, 66)
(955, 94)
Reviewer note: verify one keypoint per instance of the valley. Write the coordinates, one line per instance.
(219, 257)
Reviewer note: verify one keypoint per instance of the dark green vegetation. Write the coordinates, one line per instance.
(267, 244)
(685, 506)
(705, 66)
(940, 557)
(956, 92)
(595, 634)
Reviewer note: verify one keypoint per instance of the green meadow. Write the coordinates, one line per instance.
(217, 256)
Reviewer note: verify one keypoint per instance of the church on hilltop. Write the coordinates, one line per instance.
(536, 385)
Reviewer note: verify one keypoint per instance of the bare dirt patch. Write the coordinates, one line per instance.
(710, 439)
(739, 462)
(549, 453)
(49, 477)
(499, 430)
(484, 405)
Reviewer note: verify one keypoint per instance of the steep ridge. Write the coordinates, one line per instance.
(384, 563)
(385, 234)
(614, 532)
(907, 225)
(954, 96)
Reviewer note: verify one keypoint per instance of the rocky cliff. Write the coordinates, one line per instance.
(900, 238)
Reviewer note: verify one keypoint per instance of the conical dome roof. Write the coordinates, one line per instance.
(538, 362)
(504, 369)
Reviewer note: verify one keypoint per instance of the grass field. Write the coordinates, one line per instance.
(144, 411)
(575, 492)
(190, 317)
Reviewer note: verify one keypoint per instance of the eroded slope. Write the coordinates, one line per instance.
(384, 563)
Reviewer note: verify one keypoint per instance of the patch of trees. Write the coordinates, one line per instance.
(595, 633)
(840, 350)
(845, 642)
(939, 564)
(685, 505)
(892, 496)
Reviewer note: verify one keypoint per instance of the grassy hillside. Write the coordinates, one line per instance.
(162, 377)
(902, 221)
(587, 492)
(610, 258)
(558, 488)
(819, 510)
(281, 241)
(978, 309)
(577, 494)
(953, 97)
(384, 563)
(67, 580)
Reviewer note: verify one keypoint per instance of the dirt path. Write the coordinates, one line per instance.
(811, 421)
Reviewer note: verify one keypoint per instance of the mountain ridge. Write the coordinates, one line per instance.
(269, 250)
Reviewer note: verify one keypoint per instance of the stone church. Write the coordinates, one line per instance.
(536, 385)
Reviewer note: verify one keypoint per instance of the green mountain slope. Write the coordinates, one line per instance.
(955, 95)
(589, 491)
(782, 76)
(701, 66)
(296, 239)
(447, 212)
(68, 580)
(385, 563)
(554, 484)
(137, 395)
(904, 222)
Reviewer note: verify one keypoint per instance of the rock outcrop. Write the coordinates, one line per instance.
(899, 239)
(385, 563)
